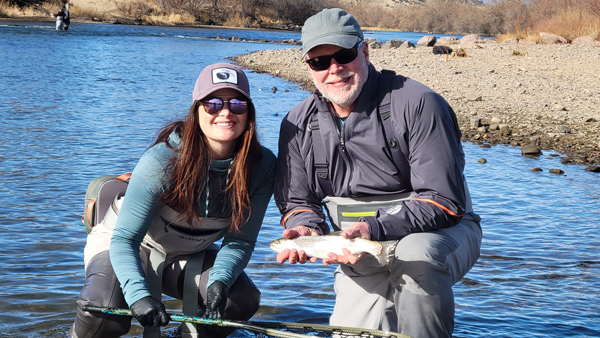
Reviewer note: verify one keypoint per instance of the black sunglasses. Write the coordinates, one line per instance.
(215, 105)
(342, 56)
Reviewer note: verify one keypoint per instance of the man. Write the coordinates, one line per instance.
(63, 19)
(337, 149)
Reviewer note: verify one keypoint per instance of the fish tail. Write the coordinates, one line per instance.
(387, 254)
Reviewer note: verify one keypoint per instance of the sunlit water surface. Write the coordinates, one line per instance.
(77, 105)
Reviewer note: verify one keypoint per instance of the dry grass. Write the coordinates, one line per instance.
(8, 10)
(521, 19)
(238, 20)
(170, 19)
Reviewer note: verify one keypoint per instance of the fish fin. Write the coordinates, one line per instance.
(388, 252)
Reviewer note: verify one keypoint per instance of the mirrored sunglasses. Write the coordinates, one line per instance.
(215, 105)
(342, 56)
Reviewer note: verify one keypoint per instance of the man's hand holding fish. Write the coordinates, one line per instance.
(358, 229)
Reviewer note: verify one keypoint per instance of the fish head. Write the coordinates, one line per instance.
(280, 244)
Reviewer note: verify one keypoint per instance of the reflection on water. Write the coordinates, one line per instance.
(86, 103)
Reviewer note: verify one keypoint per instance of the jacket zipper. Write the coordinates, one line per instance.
(341, 128)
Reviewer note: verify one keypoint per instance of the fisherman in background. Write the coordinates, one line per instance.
(63, 19)
(369, 139)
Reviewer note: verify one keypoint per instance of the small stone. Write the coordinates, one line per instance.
(496, 120)
(475, 122)
(482, 129)
(591, 120)
(560, 108)
(563, 129)
(531, 149)
(556, 171)
(486, 145)
(274, 89)
(505, 130)
(482, 161)
(536, 169)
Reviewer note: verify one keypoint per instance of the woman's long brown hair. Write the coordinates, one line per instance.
(188, 168)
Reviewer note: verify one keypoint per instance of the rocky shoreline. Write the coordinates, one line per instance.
(535, 96)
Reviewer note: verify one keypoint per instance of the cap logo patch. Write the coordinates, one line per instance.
(221, 75)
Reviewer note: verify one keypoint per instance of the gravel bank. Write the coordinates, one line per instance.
(542, 95)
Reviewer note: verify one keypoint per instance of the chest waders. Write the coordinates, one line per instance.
(168, 237)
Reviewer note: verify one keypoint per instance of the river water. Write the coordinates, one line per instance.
(80, 104)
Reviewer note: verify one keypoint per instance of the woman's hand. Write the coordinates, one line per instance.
(216, 299)
(150, 312)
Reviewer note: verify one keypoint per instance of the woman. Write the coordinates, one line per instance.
(204, 178)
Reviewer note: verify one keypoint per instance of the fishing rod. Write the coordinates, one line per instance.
(266, 328)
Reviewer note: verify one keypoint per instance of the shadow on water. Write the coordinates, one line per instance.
(79, 105)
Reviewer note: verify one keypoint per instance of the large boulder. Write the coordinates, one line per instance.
(584, 41)
(447, 40)
(392, 44)
(471, 39)
(408, 44)
(548, 38)
(427, 40)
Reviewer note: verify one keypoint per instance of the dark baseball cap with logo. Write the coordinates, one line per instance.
(218, 76)
(331, 26)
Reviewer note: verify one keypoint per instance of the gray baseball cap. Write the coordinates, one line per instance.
(331, 26)
(218, 76)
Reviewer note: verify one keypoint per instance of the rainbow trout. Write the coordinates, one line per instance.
(320, 246)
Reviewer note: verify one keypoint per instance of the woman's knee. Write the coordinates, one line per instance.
(244, 299)
(101, 289)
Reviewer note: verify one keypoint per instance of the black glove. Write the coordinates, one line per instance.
(216, 299)
(150, 312)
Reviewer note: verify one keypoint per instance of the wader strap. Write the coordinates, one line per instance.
(154, 278)
(384, 100)
(191, 286)
(320, 155)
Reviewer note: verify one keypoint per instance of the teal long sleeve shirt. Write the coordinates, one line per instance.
(140, 206)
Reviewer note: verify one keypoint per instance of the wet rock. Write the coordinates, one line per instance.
(486, 145)
(274, 89)
(536, 169)
(531, 149)
(482, 161)
(556, 171)
(593, 168)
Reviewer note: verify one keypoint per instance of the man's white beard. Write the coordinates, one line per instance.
(344, 97)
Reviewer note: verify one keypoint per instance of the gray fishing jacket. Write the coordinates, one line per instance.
(360, 161)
